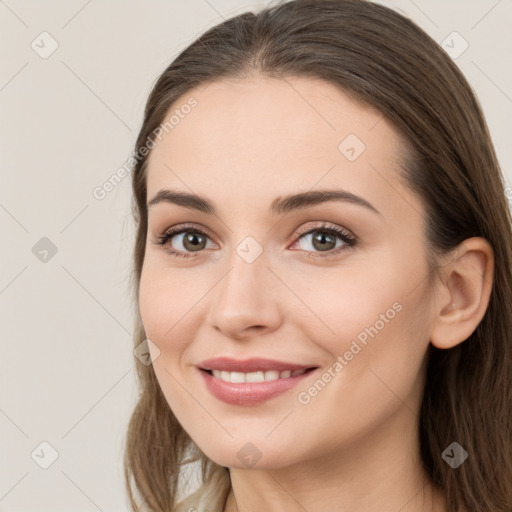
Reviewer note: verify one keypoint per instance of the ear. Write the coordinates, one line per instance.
(464, 292)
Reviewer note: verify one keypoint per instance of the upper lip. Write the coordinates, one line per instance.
(250, 365)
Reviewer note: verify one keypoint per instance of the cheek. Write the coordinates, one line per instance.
(339, 304)
(151, 303)
(376, 371)
(162, 306)
(373, 316)
(365, 300)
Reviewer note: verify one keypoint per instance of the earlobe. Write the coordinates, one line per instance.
(466, 288)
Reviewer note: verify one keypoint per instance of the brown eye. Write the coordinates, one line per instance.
(193, 241)
(326, 240)
(183, 241)
(323, 241)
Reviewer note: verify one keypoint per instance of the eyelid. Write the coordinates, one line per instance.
(342, 233)
(184, 226)
(297, 233)
(325, 225)
(166, 235)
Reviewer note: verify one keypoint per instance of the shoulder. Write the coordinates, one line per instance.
(210, 497)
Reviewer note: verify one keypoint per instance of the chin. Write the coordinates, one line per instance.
(256, 454)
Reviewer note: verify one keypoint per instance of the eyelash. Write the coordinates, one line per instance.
(348, 239)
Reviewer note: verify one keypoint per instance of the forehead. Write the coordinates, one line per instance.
(253, 139)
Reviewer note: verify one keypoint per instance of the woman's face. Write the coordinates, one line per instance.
(267, 281)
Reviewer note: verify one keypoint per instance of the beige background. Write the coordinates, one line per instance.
(68, 122)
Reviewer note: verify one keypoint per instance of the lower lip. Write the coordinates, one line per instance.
(250, 393)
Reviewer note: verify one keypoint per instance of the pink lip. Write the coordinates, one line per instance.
(249, 393)
(249, 365)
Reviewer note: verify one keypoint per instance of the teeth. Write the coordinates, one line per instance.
(253, 377)
(238, 377)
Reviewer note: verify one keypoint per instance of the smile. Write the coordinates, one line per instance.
(252, 381)
(260, 376)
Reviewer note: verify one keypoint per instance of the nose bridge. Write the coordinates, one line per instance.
(247, 279)
(245, 296)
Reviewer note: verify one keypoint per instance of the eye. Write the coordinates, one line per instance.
(323, 239)
(191, 239)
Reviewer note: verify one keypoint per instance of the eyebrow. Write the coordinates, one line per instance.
(281, 205)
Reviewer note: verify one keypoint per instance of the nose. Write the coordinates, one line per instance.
(245, 302)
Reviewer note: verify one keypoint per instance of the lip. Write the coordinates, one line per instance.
(250, 393)
(249, 365)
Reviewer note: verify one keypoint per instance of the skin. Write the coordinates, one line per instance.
(354, 446)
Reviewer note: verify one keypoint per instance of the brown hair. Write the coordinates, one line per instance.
(380, 58)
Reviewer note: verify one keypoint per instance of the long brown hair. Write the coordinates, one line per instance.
(381, 58)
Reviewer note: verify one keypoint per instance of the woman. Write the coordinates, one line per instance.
(323, 273)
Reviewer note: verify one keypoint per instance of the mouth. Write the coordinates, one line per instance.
(259, 376)
(252, 381)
